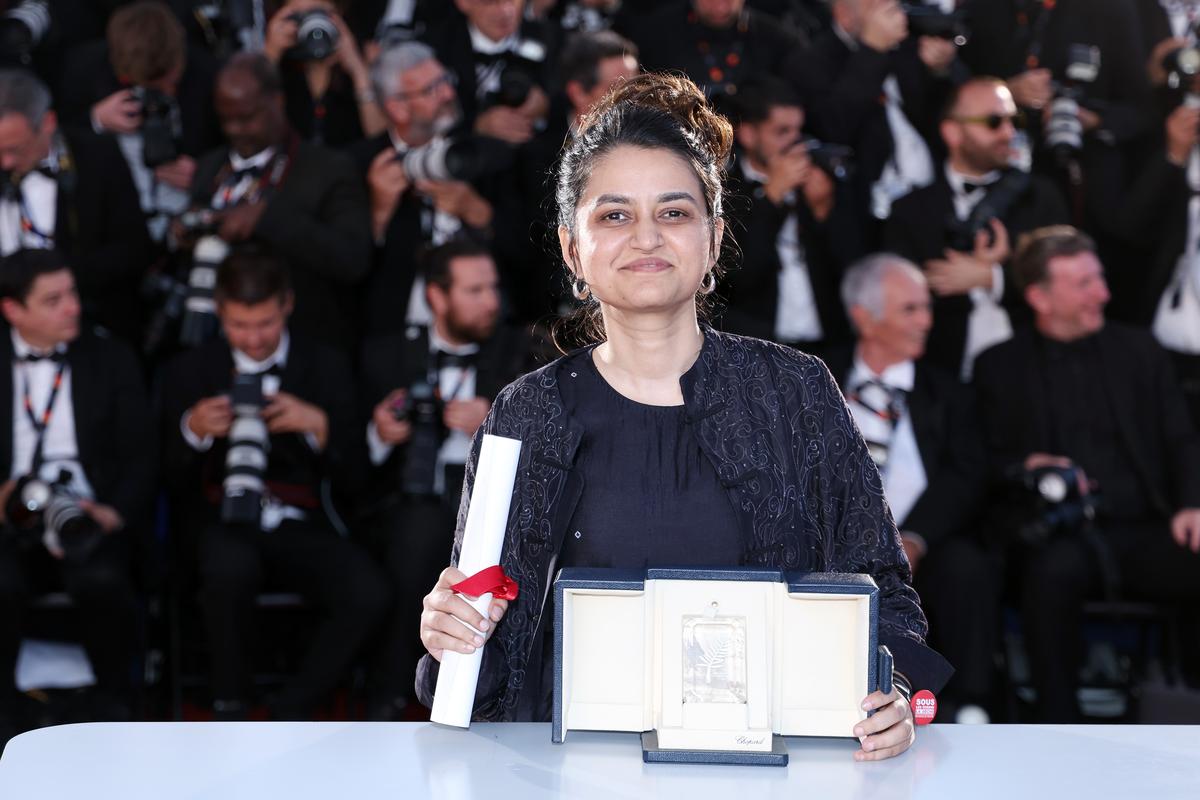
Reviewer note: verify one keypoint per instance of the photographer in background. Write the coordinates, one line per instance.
(429, 390)
(253, 470)
(406, 213)
(795, 223)
(150, 91)
(301, 200)
(868, 55)
(1097, 404)
(330, 99)
(502, 63)
(1078, 68)
(69, 402)
(961, 227)
(70, 190)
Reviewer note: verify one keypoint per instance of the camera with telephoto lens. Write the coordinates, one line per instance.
(1058, 505)
(933, 21)
(316, 35)
(422, 408)
(1063, 133)
(189, 303)
(53, 507)
(463, 159)
(245, 487)
(23, 27)
(1000, 198)
(160, 127)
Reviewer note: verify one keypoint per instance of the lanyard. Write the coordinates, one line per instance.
(1034, 53)
(41, 425)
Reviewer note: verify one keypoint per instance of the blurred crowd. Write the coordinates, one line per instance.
(267, 263)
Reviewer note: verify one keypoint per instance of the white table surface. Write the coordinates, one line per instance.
(349, 760)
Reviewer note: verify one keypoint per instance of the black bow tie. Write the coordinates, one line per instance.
(444, 359)
(238, 175)
(33, 358)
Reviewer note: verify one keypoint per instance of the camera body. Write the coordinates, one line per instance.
(53, 507)
(161, 126)
(244, 488)
(316, 35)
(1063, 133)
(1058, 504)
(835, 160)
(423, 409)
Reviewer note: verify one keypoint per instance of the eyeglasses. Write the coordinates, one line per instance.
(430, 89)
(994, 122)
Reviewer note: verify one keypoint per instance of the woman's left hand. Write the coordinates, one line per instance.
(889, 731)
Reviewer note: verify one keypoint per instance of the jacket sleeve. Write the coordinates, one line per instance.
(860, 536)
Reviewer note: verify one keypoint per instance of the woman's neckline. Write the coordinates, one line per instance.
(590, 358)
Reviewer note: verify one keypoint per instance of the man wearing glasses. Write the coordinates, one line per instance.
(418, 97)
(962, 245)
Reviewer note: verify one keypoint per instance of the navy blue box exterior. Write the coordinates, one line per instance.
(635, 580)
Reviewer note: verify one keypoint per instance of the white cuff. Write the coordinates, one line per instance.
(195, 442)
(997, 290)
(313, 444)
(379, 449)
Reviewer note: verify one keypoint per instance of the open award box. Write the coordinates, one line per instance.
(715, 665)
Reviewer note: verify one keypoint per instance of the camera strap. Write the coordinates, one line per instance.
(269, 179)
(1033, 53)
(41, 422)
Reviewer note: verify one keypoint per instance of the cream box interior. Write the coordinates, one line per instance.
(714, 659)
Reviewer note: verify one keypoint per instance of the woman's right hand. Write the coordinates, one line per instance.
(440, 630)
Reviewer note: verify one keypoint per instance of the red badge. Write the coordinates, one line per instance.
(924, 707)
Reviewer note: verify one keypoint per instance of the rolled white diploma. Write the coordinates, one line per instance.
(483, 539)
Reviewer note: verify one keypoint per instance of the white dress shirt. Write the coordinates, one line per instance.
(904, 479)
(159, 201)
(60, 448)
(259, 160)
(988, 323)
(796, 317)
(454, 383)
(41, 203)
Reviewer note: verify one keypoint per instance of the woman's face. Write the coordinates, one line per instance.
(643, 240)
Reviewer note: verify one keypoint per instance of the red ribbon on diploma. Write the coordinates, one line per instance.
(491, 581)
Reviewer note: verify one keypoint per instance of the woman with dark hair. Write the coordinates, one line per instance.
(669, 443)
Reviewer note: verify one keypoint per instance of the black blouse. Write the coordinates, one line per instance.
(651, 498)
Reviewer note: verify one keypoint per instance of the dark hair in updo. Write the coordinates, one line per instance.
(655, 111)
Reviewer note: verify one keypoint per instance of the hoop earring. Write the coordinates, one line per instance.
(580, 290)
(710, 283)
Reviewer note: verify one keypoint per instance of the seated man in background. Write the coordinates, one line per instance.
(1090, 417)
(70, 190)
(429, 390)
(259, 434)
(74, 410)
(921, 430)
(301, 200)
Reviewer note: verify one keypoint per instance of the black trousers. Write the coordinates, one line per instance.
(331, 573)
(1056, 579)
(412, 539)
(959, 584)
(102, 589)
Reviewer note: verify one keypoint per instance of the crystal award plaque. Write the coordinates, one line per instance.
(714, 658)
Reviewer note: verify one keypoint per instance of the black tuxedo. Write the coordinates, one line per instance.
(842, 91)
(917, 230)
(1155, 219)
(116, 451)
(829, 246)
(317, 220)
(450, 37)
(395, 266)
(100, 228)
(957, 581)
(234, 563)
(410, 535)
(1157, 447)
(314, 372)
(89, 78)
(672, 38)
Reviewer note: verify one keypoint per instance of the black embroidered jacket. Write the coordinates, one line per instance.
(775, 426)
